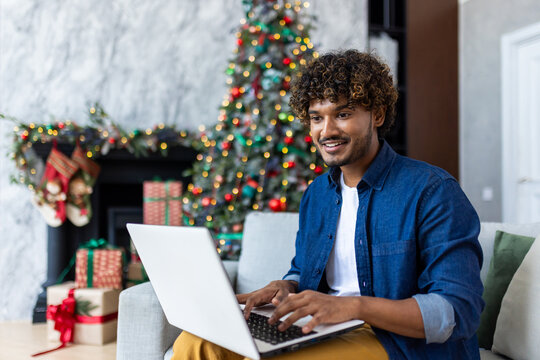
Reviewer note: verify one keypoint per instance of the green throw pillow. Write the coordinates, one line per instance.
(508, 253)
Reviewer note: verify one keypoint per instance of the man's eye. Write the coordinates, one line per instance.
(343, 115)
(315, 118)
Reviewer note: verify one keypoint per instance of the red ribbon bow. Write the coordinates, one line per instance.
(64, 320)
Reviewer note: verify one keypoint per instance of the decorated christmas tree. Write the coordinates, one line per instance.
(257, 156)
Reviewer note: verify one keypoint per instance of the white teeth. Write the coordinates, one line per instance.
(332, 145)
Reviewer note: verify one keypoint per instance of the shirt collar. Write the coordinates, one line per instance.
(376, 173)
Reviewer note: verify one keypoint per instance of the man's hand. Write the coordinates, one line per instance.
(274, 293)
(325, 309)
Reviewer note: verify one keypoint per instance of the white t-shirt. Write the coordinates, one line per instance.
(341, 273)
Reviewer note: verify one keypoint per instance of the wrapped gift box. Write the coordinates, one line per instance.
(162, 202)
(98, 325)
(136, 274)
(106, 268)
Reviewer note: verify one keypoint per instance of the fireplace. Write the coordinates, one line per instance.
(116, 200)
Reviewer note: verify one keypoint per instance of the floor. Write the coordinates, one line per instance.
(19, 340)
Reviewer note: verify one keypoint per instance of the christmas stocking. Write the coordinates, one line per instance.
(50, 198)
(79, 210)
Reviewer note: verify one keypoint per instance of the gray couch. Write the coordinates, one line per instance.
(268, 247)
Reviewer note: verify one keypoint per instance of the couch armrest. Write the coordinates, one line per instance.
(143, 330)
(231, 267)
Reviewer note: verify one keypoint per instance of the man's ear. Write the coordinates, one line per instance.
(379, 116)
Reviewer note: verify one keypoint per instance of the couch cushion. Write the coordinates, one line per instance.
(508, 253)
(518, 324)
(487, 236)
(267, 249)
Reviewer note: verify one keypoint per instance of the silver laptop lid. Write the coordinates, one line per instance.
(182, 259)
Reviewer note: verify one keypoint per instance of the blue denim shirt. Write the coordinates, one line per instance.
(416, 233)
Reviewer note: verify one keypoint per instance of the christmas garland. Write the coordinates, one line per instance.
(96, 139)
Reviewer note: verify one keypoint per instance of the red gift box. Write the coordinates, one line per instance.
(99, 268)
(162, 202)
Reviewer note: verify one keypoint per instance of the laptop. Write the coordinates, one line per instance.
(196, 295)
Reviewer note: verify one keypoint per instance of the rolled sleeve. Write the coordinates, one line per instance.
(437, 315)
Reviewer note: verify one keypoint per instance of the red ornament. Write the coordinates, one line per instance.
(206, 201)
(112, 140)
(289, 140)
(235, 92)
(228, 197)
(271, 37)
(308, 139)
(291, 164)
(24, 136)
(318, 170)
(196, 191)
(61, 125)
(287, 20)
(225, 145)
(286, 85)
(286, 61)
(240, 42)
(275, 205)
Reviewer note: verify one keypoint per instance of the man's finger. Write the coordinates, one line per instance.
(241, 298)
(310, 325)
(294, 317)
(280, 296)
(289, 304)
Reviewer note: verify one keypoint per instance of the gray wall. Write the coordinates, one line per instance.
(146, 61)
(482, 24)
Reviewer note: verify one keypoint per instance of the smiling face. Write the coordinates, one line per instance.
(345, 136)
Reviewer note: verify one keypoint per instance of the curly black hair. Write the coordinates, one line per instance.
(361, 78)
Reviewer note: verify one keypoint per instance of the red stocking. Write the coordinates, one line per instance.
(51, 195)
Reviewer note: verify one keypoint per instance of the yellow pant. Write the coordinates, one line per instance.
(360, 344)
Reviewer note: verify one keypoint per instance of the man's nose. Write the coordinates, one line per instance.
(329, 128)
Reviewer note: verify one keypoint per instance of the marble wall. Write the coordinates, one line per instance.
(146, 61)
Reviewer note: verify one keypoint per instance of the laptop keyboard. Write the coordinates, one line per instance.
(262, 330)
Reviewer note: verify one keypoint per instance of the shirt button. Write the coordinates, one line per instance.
(360, 241)
(364, 284)
(337, 201)
(317, 271)
(329, 236)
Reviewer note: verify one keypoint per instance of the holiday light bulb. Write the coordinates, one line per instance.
(288, 5)
(262, 172)
(89, 154)
(251, 58)
(255, 207)
(254, 42)
(244, 159)
(200, 157)
(296, 51)
(230, 207)
(298, 39)
(300, 27)
(185, 200)
(277, 107)
(277, 36)
(208, 159)
(239, 106)
(163, 146)
(242, 90)
(40, 130)
(285, 165)
(123, 140)
(292, 65)
(209, 218)
(315, 54)
(235, 191)
(245, 73)
(256, 111)
(148, 131)
(313, 149)
(230, 137)
(306, 4)
(285, 150)
(225, 153)
(92, 110)
(284, 182)
(282, 22)
(32, 125)
(276, 6)
(239, 174)
(267, 155)
(283, 92)
(289, 133)
(249, 142)
(205, 173)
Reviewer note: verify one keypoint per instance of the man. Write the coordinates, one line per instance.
(382, 238)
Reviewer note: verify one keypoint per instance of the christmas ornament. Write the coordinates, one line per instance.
(276, 205)
(228, 197)
(206, 201)
(318, 170)
(288, 140)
